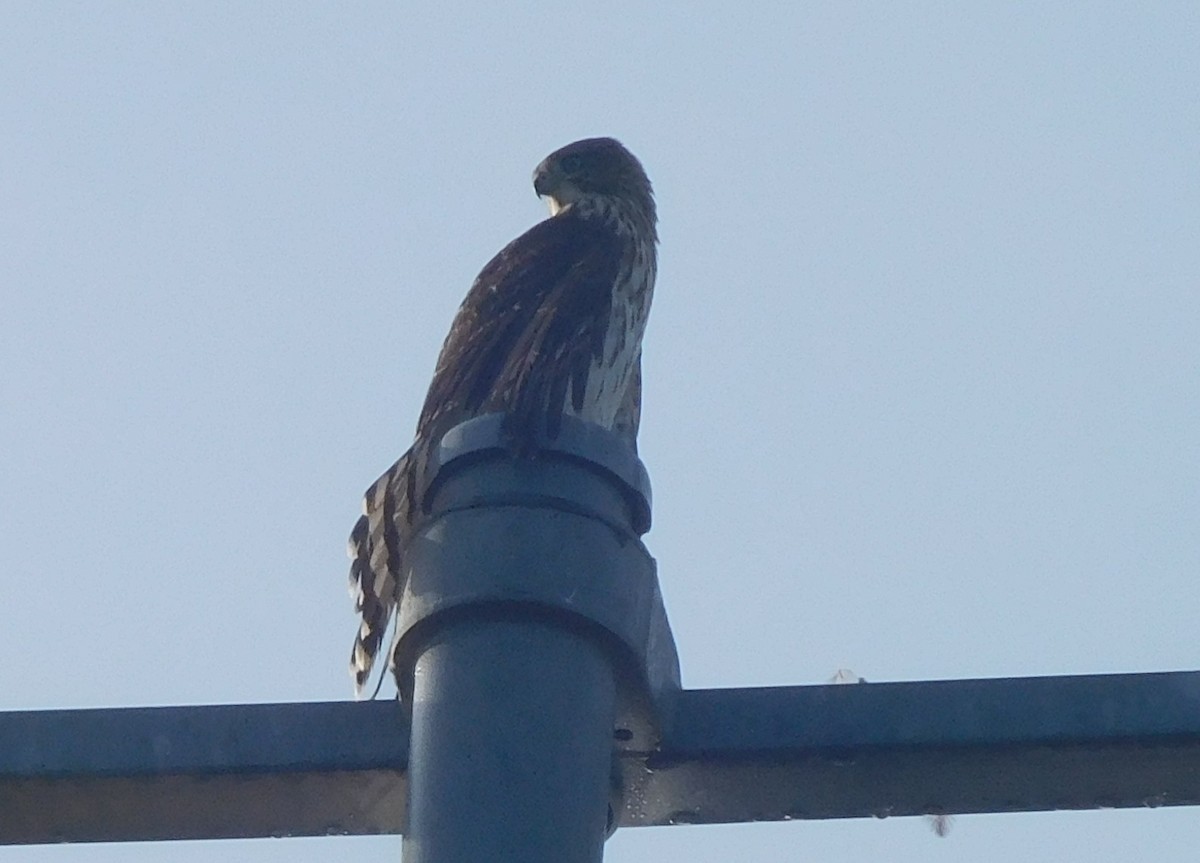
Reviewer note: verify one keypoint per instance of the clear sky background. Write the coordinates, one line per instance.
(922, 378)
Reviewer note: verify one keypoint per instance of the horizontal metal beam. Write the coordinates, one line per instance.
(728, 755)
(941, 747)
(228, 771)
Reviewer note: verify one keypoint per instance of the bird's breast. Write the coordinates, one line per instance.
(612, 371)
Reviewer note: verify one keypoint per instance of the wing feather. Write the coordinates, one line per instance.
(532, 325)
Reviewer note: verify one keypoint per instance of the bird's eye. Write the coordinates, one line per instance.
(572, 163)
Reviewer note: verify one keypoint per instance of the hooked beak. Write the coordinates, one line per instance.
(543, 182)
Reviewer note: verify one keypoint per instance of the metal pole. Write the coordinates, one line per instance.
(532, 646)
(511, 754)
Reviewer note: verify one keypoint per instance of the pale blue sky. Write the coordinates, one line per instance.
(922, 377)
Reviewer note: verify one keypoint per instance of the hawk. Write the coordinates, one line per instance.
(552, 326)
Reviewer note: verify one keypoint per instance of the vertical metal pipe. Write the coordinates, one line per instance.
(511, 753)
(530, 624)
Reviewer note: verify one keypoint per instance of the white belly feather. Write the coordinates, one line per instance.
(610, 376)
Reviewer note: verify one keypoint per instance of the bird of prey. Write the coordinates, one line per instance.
(552, 326)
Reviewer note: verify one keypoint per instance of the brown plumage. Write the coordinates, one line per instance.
(551, 326)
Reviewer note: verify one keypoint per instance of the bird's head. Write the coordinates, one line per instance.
(594, 167)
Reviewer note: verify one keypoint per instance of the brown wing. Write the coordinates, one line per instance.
(531, 325)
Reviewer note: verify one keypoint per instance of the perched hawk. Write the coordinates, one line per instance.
(552, 326)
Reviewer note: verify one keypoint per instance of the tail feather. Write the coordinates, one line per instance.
(376, 564)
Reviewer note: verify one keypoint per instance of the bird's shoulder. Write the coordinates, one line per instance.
(548, 288)
(545, 252)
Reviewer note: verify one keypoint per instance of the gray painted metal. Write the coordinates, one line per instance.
(530, 606)
(1007, 745)
(227, 771)
(600, 450)
(551, 540)
(535, 648)
(511, 745)
(940, 747)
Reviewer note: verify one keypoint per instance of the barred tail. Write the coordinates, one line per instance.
(376, 564)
